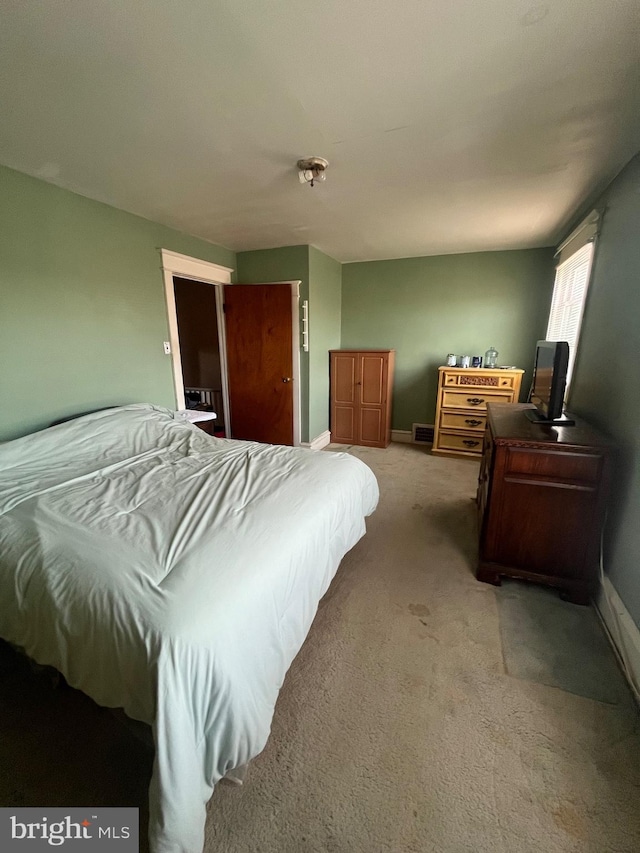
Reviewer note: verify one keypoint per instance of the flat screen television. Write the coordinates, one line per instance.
(549, 383)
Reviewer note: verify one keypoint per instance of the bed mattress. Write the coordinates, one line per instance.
(173, 575)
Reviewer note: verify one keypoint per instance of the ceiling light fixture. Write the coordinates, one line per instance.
(312, 169)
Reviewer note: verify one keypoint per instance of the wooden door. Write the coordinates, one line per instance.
(258, 326)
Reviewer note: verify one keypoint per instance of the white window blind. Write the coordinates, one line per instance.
(567, 305)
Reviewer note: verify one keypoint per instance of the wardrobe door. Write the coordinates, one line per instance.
(344, 404)
(372, 388)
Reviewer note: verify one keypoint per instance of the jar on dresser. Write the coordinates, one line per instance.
(461, 409)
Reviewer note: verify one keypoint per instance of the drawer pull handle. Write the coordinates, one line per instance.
(469, 443)
(475, 401)
(472, 422)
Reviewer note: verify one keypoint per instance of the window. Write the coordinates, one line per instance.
(570, 288)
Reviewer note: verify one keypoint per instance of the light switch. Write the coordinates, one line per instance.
(167, 347)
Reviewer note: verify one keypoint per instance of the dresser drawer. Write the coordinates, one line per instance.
(465, 442)
(583, 469)
(466, 421)
(473, 398)
(479, 379)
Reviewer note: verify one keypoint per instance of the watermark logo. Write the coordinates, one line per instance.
(108, 830)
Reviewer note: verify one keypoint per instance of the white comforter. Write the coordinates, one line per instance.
(173, 575)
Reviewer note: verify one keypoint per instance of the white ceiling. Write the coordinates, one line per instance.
(450, 126)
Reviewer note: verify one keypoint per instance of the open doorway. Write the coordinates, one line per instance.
(246, 339)
(200, 353)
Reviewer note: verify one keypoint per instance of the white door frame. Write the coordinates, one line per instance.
(184, 266)
(208, 273)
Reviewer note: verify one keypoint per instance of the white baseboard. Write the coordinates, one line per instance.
(404, 436)
(623, 631)
(319, 441)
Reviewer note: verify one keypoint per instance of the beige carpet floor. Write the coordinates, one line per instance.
(400, 727)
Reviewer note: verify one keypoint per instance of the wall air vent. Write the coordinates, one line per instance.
(422, 433)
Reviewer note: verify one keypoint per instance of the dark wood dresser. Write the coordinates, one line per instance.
(541, 500)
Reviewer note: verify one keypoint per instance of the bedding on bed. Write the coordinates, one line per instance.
(173, 575)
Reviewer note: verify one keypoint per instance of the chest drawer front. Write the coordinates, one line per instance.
(467, 421)
(473, 398)
(502, 381)
(467, 443)
(565, 467)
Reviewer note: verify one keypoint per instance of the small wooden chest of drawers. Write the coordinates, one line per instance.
(463, 394)
(542, 494)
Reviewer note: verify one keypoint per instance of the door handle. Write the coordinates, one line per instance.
(286, 379)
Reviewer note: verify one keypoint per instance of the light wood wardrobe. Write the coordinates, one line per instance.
(361, 389)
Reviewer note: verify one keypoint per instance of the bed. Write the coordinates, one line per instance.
(175, 576)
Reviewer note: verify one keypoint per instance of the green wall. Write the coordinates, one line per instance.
(427, 307)
(83, 316)
(325, 301)
(606, 384)
(82, 307)
(289, 263)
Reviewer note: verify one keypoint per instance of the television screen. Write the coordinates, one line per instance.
(549, 380)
